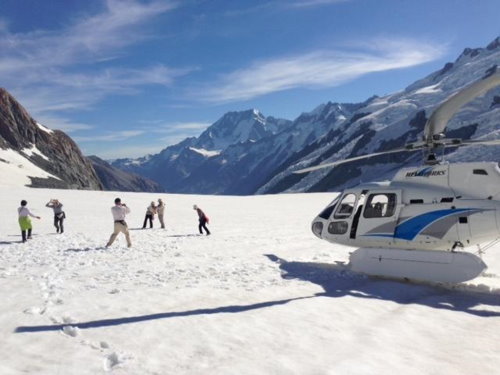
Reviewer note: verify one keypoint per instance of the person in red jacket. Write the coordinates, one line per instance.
(203, 220)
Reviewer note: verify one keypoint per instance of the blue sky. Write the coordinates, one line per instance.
(125, 78)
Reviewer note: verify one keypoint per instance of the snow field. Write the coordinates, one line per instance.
(261, 295)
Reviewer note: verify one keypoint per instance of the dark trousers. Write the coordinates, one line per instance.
(203, 224)
(23, 234)
(58, 223)
(150, 218)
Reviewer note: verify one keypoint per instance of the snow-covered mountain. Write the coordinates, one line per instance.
(33, 154)
(394, 120)
(246, 153)
(174, 167)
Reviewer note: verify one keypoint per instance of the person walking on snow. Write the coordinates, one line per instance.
(119, 211)
(59, 214)
(150, 213)
(25, 221)
(161, 210)
(203, 220)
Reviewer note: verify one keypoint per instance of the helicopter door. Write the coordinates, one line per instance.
(357, 215)
(380, 217)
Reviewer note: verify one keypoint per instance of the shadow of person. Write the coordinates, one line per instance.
(9, 242)
(231, 309)
(184, 235)
(84, 249)
(338, 281)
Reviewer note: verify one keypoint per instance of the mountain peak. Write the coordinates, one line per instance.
(494, 44)
(238, 127)
(473, 52)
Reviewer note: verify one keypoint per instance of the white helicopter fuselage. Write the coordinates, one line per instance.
(438, 207)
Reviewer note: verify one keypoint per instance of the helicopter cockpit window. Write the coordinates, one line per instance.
(327, 212)
(380, 205)
(346, 206)
(338, 227)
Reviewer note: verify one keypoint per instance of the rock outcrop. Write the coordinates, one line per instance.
(117, 180)
(51, 150)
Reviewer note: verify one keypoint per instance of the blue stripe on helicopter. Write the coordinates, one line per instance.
(409, 229)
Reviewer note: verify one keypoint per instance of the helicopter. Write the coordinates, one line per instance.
(418, 225)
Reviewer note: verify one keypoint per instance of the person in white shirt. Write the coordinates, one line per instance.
(59, 214)
(160, 208)
(119, 211)
(25, 221)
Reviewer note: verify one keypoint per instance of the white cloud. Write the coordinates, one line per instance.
(167, 134)
(173, 133)
(319, 69)
(59, 123)
(111, 137)
(279, 6)
(40, 67)
(87, 40)
(177, 126)
(314, 3)
(110, 153)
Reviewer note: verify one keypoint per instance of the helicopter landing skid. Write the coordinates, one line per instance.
(422, 265)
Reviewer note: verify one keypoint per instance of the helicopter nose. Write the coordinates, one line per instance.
(317, 228)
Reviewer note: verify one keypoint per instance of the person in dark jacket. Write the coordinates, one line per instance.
(203, 220)
(150, 214)
(59, 214)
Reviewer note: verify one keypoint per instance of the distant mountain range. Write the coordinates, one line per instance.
(248, 153)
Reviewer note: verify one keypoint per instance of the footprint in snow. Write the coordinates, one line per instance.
(71, 331)
(35, 310)
(114, 360)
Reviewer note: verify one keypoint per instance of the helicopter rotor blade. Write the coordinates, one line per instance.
(460, 143)
(434, 126)
(338, 162)
(440, 117)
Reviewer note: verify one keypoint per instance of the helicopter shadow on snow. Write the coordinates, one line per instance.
(338, 281)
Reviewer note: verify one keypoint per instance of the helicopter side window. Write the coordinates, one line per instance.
(480, 172)
(346, 206)
(380, 205)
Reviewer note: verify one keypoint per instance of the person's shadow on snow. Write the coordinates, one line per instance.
(10, 242)
(231, 309)
(338, 281)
